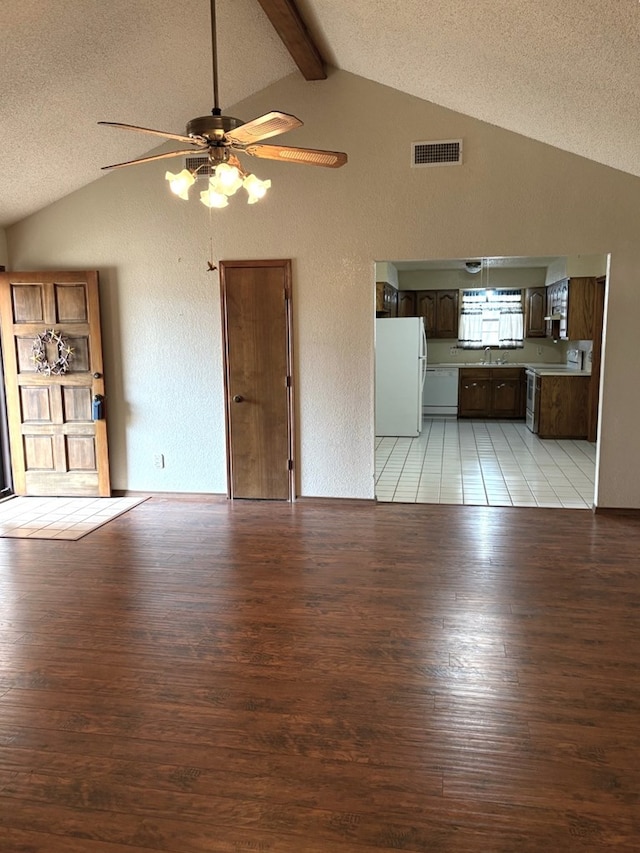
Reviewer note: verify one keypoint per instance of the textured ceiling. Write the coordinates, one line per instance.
(564, 73)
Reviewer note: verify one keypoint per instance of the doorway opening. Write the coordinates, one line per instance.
(6, 483)
(479, 446)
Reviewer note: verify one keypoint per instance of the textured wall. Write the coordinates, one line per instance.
(512, 196)
(3, 248)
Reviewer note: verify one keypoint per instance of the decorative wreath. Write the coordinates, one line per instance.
(39, 357)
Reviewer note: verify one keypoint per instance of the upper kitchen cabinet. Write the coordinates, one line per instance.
(535, 311)
(406, 303)
(386, 300)
(439, 308)
(570, 303)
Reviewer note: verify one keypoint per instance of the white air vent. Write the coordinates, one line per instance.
(200, 166)
(447, 152)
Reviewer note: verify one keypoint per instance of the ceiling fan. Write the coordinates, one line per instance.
(219, 136)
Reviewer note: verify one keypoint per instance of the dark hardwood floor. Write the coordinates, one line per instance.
(323, 677)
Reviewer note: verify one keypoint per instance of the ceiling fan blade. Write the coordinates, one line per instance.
(188, 153)
(178, 137)
(310, 156)
(270, 124)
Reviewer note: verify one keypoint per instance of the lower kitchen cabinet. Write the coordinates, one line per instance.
(561, 406)
(486, 392)
(474, 393)
(505, 394)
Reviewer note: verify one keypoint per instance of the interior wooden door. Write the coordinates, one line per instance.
(57, 447)
(256, 312)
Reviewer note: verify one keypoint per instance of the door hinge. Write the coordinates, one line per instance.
(287, 382)
(289, 464)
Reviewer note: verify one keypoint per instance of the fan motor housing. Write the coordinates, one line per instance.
(213, 127)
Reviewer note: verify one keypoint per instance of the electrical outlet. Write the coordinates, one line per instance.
(453, 350)
(158, 460)
(539, 350)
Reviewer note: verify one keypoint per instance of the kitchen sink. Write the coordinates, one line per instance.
(493, 364)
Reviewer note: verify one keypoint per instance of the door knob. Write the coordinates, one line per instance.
(238, 398)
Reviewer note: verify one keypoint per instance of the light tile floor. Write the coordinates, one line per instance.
(484, 463)
(59, 518)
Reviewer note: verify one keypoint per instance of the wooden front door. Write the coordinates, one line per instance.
(58, 439)
(256, 316)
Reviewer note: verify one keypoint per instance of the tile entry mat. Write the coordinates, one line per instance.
(59, 518)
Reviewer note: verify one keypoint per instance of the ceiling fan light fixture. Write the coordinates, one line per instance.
(212, 198)
(219, 135)
(180, 183)
(256, 189)
(227, 179)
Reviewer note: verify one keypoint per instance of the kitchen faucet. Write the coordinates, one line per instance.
(487, 350)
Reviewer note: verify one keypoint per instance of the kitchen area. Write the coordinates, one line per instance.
(508, 375)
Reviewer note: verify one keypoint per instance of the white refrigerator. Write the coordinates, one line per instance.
(401, 361)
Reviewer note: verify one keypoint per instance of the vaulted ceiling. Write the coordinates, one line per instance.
(566, 73)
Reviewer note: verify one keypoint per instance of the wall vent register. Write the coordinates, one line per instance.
(200, 167)
(446, 152)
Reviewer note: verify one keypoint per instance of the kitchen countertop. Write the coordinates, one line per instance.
(540, 368)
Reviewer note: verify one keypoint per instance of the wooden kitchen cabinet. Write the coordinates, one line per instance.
(535, 311)
(474, 393)
(522, 409)
(505, 392)
(439, 308)
(446, 314)
(406, 303)
(486, 392)
(561, 406)
(573, 300)
(426, 308)
(386, 300)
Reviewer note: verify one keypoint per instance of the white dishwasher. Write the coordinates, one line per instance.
(440, 391)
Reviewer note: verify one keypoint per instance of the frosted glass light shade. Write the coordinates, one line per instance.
(211, 198)
(256, 189)
(227, 179)
(180, 183)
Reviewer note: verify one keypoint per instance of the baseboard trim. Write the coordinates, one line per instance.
(351, 502)
(211, 497)
(190, 497)
(620, 511)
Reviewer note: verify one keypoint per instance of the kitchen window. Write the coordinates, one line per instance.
(491, 318)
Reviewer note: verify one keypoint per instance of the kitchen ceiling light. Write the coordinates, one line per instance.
(473, 267)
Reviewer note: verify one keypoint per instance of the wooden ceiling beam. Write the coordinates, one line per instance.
(287, 22)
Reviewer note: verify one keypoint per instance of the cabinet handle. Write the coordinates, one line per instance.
(501, 386)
